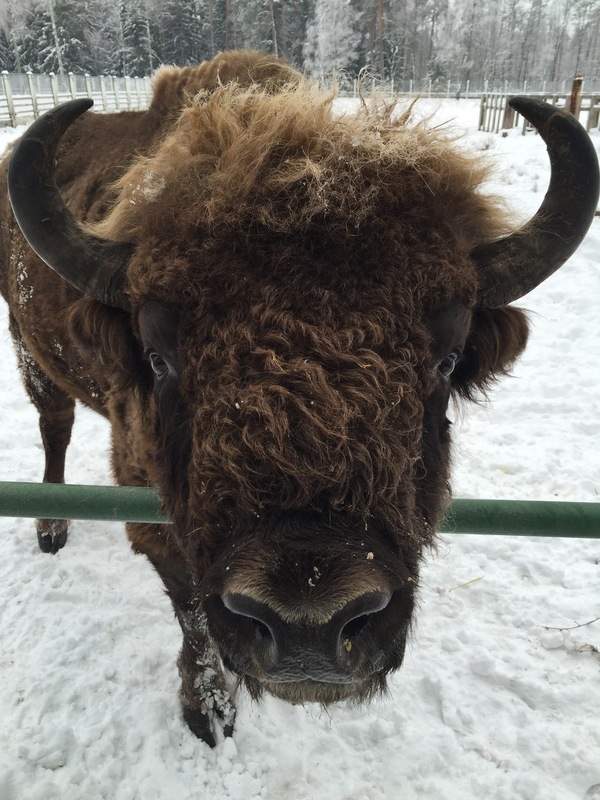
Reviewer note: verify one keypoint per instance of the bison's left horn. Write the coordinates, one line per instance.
(511, 267)
(95, 267)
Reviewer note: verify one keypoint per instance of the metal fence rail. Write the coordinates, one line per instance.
(25, 96)
(137, 504)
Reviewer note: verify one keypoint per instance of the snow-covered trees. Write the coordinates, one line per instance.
(333, 37)
(507, 41)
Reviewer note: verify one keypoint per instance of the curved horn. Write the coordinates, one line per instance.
(95, 267)
(511, 267)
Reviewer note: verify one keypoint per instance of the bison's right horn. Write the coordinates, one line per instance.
(95, 267)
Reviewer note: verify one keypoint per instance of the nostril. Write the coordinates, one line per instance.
(262, 632)
(257, 614)
(359, 614)
(356, 626)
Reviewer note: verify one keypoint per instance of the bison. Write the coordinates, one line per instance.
(273, 303)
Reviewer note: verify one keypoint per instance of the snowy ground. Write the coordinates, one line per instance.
(499, 695)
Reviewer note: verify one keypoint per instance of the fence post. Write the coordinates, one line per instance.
(575, 99)
(138, 92)
(482, 109)
(128, 91)
(116, 92)
(594, 112)
(73, 85)
(9, 97)
(54, 88)
(103, 91)
(467, 94)
(88, 84)
(33, 93)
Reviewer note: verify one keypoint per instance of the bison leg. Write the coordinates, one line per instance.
(56, 414)
(207, 706)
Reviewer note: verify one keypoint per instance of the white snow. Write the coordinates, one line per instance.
(499, 694)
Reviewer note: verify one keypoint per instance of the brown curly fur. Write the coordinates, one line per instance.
(320, 244)
(304, 273)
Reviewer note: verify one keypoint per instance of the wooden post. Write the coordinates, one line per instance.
(88, 84)
(482, 109)
(33, 93)
(9, 98)
(72, 85)
(509, 116)
(54, 87)
(575, 99)
(115, 86)
(103, 91)
(594, 113)
(128, 91)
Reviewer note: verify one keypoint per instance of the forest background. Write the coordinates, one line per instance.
(497, 44)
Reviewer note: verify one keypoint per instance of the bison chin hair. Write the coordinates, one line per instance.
(300, 692)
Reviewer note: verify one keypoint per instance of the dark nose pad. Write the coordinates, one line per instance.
(292, 651)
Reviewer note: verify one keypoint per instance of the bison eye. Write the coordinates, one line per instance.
(158, 364)
(447, 364)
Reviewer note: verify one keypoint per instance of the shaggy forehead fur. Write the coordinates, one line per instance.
(244, 165)
(305, 250)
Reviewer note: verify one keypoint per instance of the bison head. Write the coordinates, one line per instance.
(300, 292)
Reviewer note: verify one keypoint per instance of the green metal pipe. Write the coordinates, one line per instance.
(72, 501)
(142, 504)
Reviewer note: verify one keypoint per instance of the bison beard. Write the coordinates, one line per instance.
(279, 304)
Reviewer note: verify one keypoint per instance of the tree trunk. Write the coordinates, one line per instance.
(61, 68)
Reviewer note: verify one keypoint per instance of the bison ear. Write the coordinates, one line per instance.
(498, 337)
(104, 337)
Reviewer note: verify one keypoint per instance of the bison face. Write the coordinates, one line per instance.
(306, 552)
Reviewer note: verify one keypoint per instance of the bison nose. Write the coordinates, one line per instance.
(296, 648)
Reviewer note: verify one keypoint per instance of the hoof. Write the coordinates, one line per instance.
(206, 725)
(52, 534)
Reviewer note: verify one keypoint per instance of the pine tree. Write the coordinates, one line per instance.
(138, 57)
(180, 33)
(7, 53)
(214, 16)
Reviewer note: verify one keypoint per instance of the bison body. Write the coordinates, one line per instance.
(272, 304)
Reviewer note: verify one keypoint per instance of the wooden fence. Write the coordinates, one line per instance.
(496, 115)
(25, 96)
